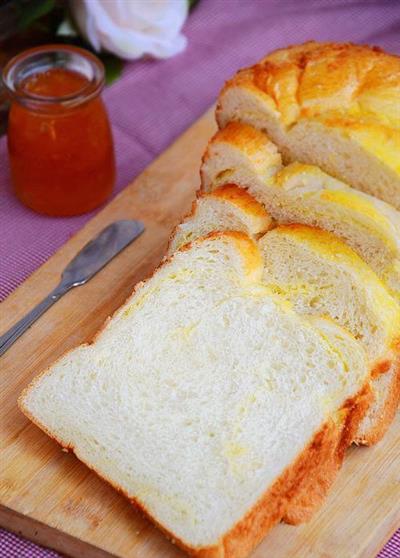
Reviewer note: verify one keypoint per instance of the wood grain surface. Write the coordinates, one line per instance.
(48, 496)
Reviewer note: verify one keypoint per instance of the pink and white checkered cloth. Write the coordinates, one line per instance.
(155, 101)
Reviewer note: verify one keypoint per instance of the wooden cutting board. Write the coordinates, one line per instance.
(50, 497)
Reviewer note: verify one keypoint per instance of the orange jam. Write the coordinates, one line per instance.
(59, 139)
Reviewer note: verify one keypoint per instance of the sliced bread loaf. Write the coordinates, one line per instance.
(328, 104)
(324, 276)
(319, 274)
(304, 194)
(206, 399)
(226, 208)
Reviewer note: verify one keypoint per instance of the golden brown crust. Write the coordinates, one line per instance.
(230, 193)
(240, 198)
(390, 406)
(316, 484)
(313, 79)
(234, 195)
(243, 136)
(247, 139)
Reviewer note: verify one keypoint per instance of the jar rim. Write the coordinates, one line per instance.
(16, 65)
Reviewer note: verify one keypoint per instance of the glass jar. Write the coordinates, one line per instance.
(59, 137)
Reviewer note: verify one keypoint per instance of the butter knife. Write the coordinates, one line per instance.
(89, 261)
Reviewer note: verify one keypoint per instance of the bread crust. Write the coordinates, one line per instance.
(315, 486)
(294, 496)
(307, 80)
(330, 104)
(240, 198)
(245, 138)
(391, 405)
(234, 195)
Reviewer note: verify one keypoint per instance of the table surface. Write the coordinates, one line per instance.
(155, 101)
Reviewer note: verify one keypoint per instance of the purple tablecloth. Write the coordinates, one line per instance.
(155, 101)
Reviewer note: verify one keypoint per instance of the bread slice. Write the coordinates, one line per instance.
(226, 208)
(207, 400)
(319, 274)
(304, 194)
(328, 104)
(235, 153)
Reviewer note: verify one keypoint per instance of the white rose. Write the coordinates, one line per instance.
(133, 28)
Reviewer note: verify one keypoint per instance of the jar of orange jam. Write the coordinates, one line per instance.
(59, 137)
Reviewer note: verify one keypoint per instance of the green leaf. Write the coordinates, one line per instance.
(192, 4)
(113, 66)
(33, 10)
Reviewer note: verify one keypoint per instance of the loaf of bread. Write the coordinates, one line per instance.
(320, 275)
(304, 194)
(327, 104)
(208, 401)
(228, 208)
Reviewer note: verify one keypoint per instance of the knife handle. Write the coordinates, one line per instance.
(10, 336)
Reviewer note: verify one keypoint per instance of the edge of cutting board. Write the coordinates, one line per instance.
(42, 534)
